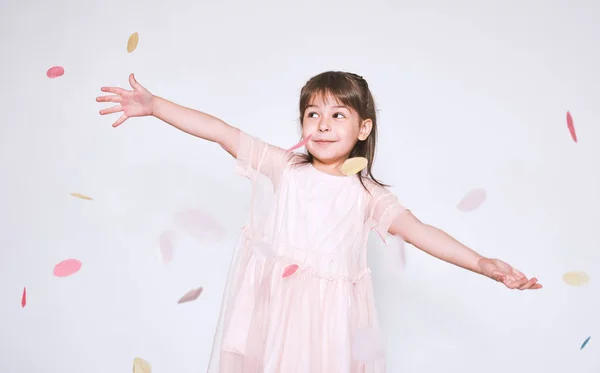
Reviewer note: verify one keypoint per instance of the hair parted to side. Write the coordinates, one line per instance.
(353, 91)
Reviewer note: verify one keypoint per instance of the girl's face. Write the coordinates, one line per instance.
(335, 129)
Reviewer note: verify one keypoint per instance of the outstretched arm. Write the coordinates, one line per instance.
(441, 245)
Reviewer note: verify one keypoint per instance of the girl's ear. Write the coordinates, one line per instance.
(365, 129)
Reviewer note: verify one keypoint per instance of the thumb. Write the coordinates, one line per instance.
(134, 84)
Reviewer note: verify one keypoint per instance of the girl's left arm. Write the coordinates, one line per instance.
(441, 245)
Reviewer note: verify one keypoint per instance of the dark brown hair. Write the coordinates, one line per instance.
(353, 91)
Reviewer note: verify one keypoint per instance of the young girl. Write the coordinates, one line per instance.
(299, 292)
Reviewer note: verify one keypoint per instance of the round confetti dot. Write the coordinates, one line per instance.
(354, 165)
(55, 72)
(132, 42)
(576, 278)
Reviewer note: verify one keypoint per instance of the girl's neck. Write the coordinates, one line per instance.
(332, 169)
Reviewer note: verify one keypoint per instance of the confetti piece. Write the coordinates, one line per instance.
(394, 254)
(141, 366)
(55, 72)
(132, 42)
(585, 342)
(576, 278)
(67, 267)
(354, 165)
(571, 126)
(301, 143)
(368, 345)
(472, 200)
(289, 270)
(78, 195)
(24, 297)
(199, 225)
(165, 244)
(191, 295)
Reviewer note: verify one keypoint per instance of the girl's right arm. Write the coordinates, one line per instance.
(140, 102)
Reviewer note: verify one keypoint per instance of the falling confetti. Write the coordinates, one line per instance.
(55, 72)
(576, 278)
(585, 342)
(24, 297)
(165, 244)
(354, 165)
(301, 143)
(191, 295)
(141, 366)
(368, 345)
(199, 225)
(571, 126)
(67, 267)
(78, 195)
(132, 42)
(472, 200)
(289, 270)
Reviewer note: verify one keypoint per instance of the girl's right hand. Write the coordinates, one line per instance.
(136, 103)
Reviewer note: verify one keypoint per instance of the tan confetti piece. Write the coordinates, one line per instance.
(78, 195)
(133, 42)
(354, 165)
(576, 278)
(141, 366)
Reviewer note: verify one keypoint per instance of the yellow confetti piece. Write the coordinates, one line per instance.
(354, 165)
(77, 195)
(576, 278)
(132, 42)
(141, 366)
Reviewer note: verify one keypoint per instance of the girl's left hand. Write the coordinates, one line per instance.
(503, 272)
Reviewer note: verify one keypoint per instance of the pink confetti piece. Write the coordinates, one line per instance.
(199, 225)
(301, 143)
(191, 295)
(55, 72)
(571, 126)
(24, 297)
(289, 270)
(472, 200)
(368, 344)
(165, 244)
(67, 267)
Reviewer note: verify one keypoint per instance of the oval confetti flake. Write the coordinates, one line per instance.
(585, 342)
(368, 345)
(289, 270)
(571, 126)
(576, 278)
(81, 196)
(141, 366)
(67, 267)
(55, 72)
(191, 295)
(354, 165)
(199, 225)
(301, 143)
(165, 244)
(132, 42)
(24, 298)
(472, 200)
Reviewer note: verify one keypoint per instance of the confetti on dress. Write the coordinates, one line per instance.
(300, 144)
(191, 295)
(585, 342)
(576, 278)
(165, 244)
(55, 72)
(354, 165)
(472, 200)
(132, 42)
(289, 270)
(141, 366)
(24, 297)
(81, 196)
(67, 267)
(571, 126)
(368, 345)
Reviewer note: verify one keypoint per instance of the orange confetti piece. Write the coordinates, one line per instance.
(132, 42)
(24, 297)
(301, 143)
(55, 72)
(81, 196)
(289, 270)
(191, 295)
(571, 126)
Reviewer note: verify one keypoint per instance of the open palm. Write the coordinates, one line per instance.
(510, 277)
(133, 103)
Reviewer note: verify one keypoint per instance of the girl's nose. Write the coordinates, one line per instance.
(324, 126)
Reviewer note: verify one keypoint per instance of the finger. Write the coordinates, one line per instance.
(116, 90)
(111, 110)
(516, 284)
(518, 273)
(537, 286)
(120, 121)
(528, 284)
(111, 98)
(134, 84)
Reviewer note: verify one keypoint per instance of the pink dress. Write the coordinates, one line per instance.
(307, 322)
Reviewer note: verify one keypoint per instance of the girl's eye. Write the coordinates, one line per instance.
(339, 114)
(310, 114)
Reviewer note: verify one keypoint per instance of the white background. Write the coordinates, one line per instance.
(470, 95)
